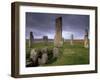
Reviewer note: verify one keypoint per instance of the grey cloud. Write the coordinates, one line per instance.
(44, 24)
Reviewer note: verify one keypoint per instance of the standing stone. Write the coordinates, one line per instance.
(34, 57)
(55, 52)
(58, 33)
(45, 40)
(44, 57)
(71, 41)
(86, 41)
(31, 40)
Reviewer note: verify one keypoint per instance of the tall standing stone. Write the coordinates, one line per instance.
(86, 41)
(45, 40)
(71, 41)
(31, 40)
(58, 33)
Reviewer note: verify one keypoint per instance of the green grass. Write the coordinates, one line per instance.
(69, 55)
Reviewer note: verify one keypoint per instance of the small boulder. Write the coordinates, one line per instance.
(44, 58)
(34, 57)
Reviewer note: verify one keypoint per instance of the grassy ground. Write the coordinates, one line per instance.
(69, 55)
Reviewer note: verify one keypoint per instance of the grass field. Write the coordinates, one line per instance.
(69, 55)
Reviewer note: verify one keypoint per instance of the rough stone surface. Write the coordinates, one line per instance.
(44, 58)
(34, 57)
(58, 33)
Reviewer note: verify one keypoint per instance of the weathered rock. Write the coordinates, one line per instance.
(43, 56)
(34, 57)
(58, 33)
(44, 59)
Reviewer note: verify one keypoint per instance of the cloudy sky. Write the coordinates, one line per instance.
(43, 24)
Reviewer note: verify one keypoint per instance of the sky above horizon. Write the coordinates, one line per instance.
(43, 24)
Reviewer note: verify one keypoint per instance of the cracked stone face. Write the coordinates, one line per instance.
(58, 33)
